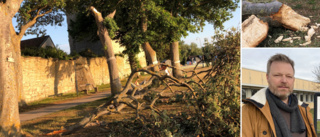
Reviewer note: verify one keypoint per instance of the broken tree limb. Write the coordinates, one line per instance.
(263, 9)
(123, 99)
(254, 31)
(277, 11)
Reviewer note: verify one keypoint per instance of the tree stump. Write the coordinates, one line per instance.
(254, 31)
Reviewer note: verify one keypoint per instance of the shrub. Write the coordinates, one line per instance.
(48, 52)
(214, 111)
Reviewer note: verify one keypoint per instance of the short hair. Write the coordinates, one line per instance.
(279, 58)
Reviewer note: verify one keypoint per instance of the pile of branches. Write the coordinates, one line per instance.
(222, 79)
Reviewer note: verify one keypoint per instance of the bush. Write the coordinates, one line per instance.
(214, 111)
(48, 52)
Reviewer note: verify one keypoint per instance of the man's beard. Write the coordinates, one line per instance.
(279, 94)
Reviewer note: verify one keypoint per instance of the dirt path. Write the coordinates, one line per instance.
(65, 105)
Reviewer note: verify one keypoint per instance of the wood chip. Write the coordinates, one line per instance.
(287, 39)
(310, 34)
(318, 37)
(307, 38)
(306, 43)
(314, 27)
(296, 38)
(278, 39)
(303, 29)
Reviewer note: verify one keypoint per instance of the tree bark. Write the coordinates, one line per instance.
(176, 70)
(149, 52)
(132, 61)
(263, 9)
(254, 31)
(108, 49)
(278, 11)
(9, 71)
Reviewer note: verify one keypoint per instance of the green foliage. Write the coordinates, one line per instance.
(260, 1)
(188, 50)
(83, 28)
(111, 25)
(214, 111)
(48, 52)
(219, 106)
(50, 11)
(88, 53)
(208, 51)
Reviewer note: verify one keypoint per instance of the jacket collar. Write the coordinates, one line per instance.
(259, 99)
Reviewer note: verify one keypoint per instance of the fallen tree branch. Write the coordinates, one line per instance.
(128, 96)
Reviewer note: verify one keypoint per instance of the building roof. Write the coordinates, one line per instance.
(34, 43)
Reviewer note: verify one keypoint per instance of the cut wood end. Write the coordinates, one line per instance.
(254, 31)
(290, 19)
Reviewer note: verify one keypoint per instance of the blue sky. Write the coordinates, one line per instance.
(59, 34)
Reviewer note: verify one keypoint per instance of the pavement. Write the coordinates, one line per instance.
(61, 106)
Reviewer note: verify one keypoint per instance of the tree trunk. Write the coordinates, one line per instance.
(108, 49)
(149, 52)
(278, 11)
(175, 61)
(150, 55)
(16, 41)
(9, 85)
(254, 31)
(132, 61)
(263, 9)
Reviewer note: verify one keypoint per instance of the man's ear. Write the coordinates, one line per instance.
(267, 77)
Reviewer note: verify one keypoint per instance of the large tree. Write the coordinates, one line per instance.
(103, 13)
(132, 23)
(30, 12)
(181, 16)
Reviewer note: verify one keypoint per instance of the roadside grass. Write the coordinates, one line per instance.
(318, 122)
(116, 124)
(55, 121)
(53, 100)
(308, 8)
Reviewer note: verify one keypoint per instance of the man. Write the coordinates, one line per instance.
(275, 111)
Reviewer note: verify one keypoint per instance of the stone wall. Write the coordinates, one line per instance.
(48, 77)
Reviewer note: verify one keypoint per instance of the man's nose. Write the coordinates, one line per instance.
(284, 79)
